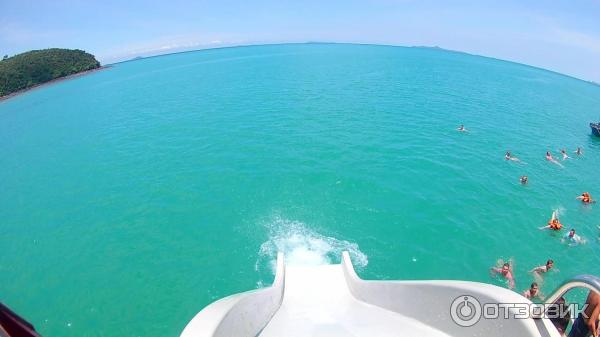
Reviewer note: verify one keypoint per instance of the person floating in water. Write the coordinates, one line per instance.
(564, 154)
(533, 292)
(578, 151)
(538, 271)
(553, 223)
(524, 180)
(506, 272)
(509, 156)
(551, 159)
(543, 269)
(571, 238)
(586, 198)
(461, 128)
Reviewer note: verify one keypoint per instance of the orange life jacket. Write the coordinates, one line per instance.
(555, 224)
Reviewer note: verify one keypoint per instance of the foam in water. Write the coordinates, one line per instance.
(560, 210)
(303, 246)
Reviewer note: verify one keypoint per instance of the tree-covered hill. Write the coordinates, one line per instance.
(34, 67)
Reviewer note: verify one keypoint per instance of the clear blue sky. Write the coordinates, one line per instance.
(559, 35)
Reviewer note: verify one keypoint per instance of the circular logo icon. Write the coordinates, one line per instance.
(465, 310)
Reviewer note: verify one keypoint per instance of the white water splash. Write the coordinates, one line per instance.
(303, 246)
(560, 210)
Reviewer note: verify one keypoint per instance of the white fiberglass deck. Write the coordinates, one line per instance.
(332, 301)
(317, 303)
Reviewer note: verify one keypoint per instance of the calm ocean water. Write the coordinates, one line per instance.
(133, 197)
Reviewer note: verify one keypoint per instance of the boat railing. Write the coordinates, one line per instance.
(587, 281)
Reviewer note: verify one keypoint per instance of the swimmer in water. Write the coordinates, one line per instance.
(553, 223)
(551, 159)
(461, 128)
(572, 238)
(533, 292)
(524, 180)
(585, 198)
(538, 271)
(578, 151)
(509, 156)
(543, 269)
(564, 154)
(506, 272)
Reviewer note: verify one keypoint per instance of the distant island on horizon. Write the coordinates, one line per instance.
(33, 68)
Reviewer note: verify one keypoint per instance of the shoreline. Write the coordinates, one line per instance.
(56, 80)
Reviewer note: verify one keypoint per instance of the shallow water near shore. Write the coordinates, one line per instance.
(133, 197)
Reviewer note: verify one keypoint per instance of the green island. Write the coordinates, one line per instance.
(32, 68)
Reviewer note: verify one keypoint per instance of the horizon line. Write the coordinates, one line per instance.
(139, 57)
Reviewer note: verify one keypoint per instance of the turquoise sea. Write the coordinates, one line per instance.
(133, 197)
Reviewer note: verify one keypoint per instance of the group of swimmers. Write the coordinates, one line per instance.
(565, 156)
(581, 327)
(549, 157)
(506, 271)
(533, 293)
(586, 323)
(554, 224)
